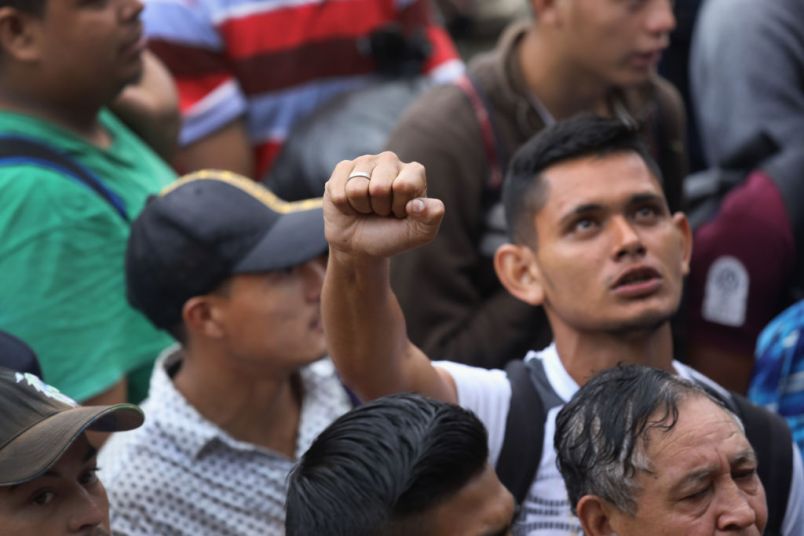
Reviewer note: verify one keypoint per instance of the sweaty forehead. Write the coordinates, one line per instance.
(705, 433)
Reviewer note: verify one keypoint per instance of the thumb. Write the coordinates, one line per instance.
(424, 218)
(425, 211)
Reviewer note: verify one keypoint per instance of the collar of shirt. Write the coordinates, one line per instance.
(565, 386)
(166, 405)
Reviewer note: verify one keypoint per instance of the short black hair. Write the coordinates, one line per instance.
(600, 434)
(524, 191)
(377, 468)
(34, 7)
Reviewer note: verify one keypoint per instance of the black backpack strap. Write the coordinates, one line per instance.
(769, 435)
(21, 150)
(772, 442)
(524, 433)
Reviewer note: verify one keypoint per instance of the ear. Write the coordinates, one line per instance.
(595, 516)
(19, 34)
(200, 315)
(546, 12)
(518, 272)
(683, 226)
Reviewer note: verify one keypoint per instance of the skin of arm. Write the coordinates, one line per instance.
(366, 223)
(227, 148)
(150, 107)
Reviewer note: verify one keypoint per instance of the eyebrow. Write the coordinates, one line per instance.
(644, 198)
(746, 455)
(90, 453)
(589, 208)
(580, 210)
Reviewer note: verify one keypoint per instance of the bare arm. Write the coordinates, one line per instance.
(367, 222)
(151, 107)
(227, 148)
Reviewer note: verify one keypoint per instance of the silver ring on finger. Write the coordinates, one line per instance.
(362, 174)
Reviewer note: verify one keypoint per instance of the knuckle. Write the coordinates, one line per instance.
(417, 167)
(405, 187)
(379, 188)
(366, 158)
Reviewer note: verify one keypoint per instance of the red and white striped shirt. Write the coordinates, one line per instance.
(276, 61)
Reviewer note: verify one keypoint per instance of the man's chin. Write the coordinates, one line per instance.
(632, 77)
(646, 322)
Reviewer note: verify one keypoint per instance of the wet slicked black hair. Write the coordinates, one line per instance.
(601, 433)
(525, 191)
(35, 7)
(375, 470)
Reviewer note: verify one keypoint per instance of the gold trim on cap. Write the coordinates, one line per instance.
(255, 190)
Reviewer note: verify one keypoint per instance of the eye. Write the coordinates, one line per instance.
(43, 498)
(744, 474)
(698, 495)
(583, 226)
(89, 477)
(745, 477)
(647, 214)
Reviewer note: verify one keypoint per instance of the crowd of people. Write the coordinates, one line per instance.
(296, 267)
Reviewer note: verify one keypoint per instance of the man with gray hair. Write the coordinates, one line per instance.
(644, 452)
(593, 240)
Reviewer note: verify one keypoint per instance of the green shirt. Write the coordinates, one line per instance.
(62, 249)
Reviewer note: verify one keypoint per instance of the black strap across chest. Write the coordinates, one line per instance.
(16, 150)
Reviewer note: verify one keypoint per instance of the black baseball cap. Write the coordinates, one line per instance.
(207, 227)
(38, 424)
(16, 355)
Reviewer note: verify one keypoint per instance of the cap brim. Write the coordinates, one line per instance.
(37, 449)
(296, 238)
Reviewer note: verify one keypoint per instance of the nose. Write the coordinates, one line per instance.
(660, 18)
(88, 510)
(627, 242)
(314, 271)
(735, 509)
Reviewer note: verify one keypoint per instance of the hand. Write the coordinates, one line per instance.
(381, 216)
(150, 107)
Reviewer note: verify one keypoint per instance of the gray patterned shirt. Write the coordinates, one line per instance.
(181, 474)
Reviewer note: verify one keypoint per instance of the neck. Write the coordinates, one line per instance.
(555, 81)
(249, 405)
(80, 120)
(584, 354)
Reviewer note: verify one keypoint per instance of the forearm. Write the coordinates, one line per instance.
(366, 331)
(227, 148)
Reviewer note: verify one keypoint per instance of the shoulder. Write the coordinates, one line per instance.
(436, 108)
(439, 128)
(667, 95)
(485, 392)
(657, 99)
(39, 195)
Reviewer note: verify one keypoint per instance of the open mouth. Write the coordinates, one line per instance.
(637, 283)
(135, 45)
(636, 276)
(647, 59)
